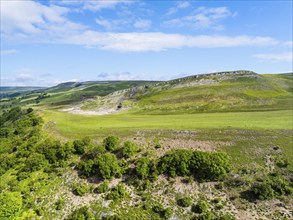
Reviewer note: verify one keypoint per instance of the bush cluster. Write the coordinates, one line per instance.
(164, 213)
(271, 187)
(203, 165)
(184, 201)
(117, 192)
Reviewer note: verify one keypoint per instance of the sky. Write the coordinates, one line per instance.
(44, 43)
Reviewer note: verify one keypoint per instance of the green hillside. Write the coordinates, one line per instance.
(221, 92)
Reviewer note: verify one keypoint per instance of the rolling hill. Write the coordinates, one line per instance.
(216, 92)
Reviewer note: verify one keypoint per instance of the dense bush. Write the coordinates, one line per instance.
(35, 162)
(79, 145)
(203, 165)
(81, 189)
(164, 213)
(54, 151)
(271, 187)
(103, 187)
(184, 201)
(200, 207)
(142, 168)
(82, 213)
(60, 204)
(10, 205)
(117, 192)
(111, 143)
(107, 166)
(129, 149)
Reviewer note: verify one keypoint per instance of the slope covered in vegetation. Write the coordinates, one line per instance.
(121, 179)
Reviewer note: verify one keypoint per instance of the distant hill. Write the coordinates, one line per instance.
(215, 92)
(13, 91)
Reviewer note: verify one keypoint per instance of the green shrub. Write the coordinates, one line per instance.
(142, 168)
(271, 187)
(10, 205)
(205, 216)
(203, 165)
(87, 168)
(35, 162)
(111, 143)
(129, 149)
(60, 204)
(117, 192)
(103, 187)
(82, 213)
(263, 191)
(226, 217)
(201, 207)
(81, 189)
(112, 217)
(107, 166)
(282, 162)
(184, 202)
(164, 213)
(79, 145)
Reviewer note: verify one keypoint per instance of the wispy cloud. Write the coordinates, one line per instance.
(116, 76)
(157, 41)
(102, 4)
(114, 24)
(6, 52)
(95, 5)
(286, 57)
(201, 18)
(23, 77)
(142, 24)
(179, 5)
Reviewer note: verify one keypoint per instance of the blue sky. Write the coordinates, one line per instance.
(44, 43)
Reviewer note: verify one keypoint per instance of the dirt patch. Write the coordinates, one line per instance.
(103, 111)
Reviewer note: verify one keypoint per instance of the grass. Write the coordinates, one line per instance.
(71, 125)
(241, 94)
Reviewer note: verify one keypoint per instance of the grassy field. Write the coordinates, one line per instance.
(71, 125)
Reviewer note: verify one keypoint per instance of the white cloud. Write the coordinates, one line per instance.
(23, 77)
(157, 41)
(117, 76)
(179, 5)
(115, 24)
(287, 57)
(142, 24)
(22, 19)
(6, 52)
(201, 18)
(288, 44)
(103, 4)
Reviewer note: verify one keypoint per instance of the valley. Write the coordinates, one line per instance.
(211, 146)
